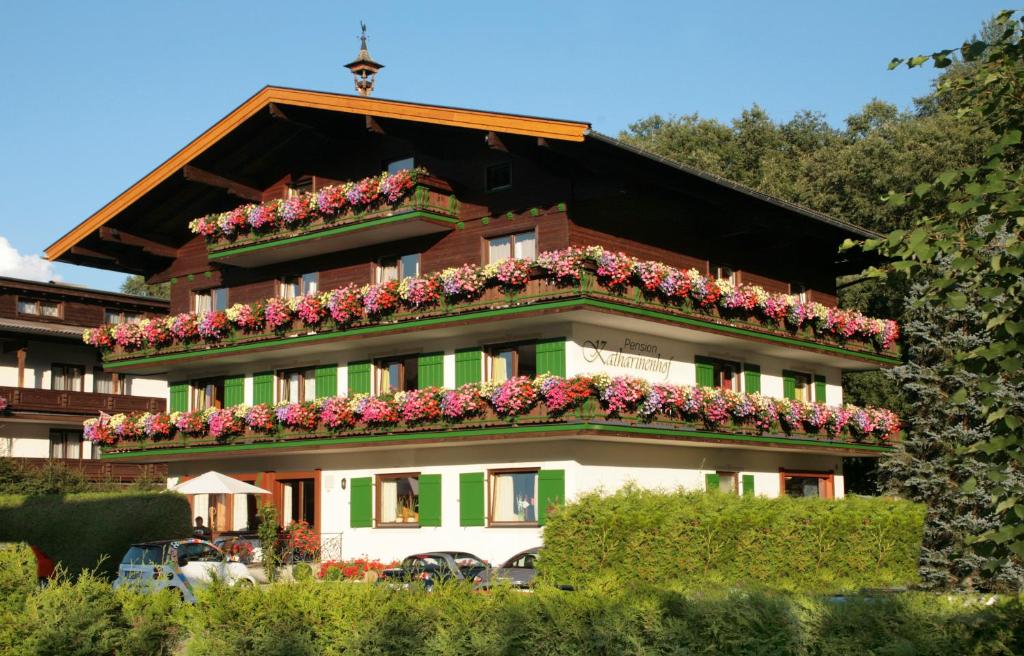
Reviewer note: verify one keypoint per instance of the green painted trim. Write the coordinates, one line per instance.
(485, 220)
(404, 216)
(501, 312)
(514, 430)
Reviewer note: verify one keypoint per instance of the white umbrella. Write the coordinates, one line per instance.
(216, 483)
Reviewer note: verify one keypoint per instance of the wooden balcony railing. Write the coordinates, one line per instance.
(79, 403)
(99, 471)
(538, 295)
(431, 207)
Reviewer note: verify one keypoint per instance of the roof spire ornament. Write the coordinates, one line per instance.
(364, 69)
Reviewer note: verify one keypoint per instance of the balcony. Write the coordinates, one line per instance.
(588, 421)
(96, 471)
(429, 208)
(539, 296)
(24, 399)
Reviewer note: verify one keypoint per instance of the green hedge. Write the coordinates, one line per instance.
(79, 529)
(354, 618)
(700, 541)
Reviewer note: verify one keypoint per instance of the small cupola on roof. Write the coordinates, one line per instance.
(364, 69)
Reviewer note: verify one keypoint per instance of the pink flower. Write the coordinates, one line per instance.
(345, 305)
(377, 412)
(295, 209)
(382, 299)
(336, 413)
(623, 395)
(260, 418)
(462, 403)
(278, 314)
(212, 325)
(513, 273)
(422, 406)
(223, 424)
(419, 292)
(310, 310)
(513, 397)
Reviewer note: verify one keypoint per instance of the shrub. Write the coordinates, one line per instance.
(77, 530)
(699, 541)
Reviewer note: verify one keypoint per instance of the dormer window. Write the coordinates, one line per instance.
(120, 316)
(499, 176)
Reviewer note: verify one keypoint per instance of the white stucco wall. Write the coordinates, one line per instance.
(588, 465)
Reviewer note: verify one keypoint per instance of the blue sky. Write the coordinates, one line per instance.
(95, 95)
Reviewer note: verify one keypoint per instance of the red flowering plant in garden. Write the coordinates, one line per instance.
(356, 568)
(302, 540)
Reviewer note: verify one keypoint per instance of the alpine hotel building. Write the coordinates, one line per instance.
(442, 287)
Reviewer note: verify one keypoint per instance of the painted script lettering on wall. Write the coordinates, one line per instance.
(632, 356)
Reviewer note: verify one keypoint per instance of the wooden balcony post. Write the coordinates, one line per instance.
(22, 354)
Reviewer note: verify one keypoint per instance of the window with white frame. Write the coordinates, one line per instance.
(398, 267)
(521, 245)
(294, 286)
(398, 500)
(295, 385)
(513, 497)
(210, 300)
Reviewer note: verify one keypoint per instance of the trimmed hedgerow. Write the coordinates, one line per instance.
(313, 617)
(78, 530)
(700, 541)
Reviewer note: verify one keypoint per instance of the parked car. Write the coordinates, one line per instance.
(243, 547)
(519, 571)
(182, 565)
(434, 567)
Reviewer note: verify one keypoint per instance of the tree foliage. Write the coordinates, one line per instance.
(964, 382)
(138, 286)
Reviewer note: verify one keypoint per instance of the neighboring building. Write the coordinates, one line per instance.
(50, 380)
(500, 185)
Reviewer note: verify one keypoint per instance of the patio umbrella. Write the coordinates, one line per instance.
(216, 483)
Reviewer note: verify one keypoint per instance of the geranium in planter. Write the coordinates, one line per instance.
(278, 314)
(418, 293)
(191, 423)
(466, 282)
(376, 412)
(182, 326)
(337, 414)
(260, 418)
(309, 309)
(515, 396)
(295, 210)
(621, 394)
(564, 394)
(97, 430)
(224, 423)
(465, 402)
(512, 274)
(154, 332)
(157, 426)
(125, 426)
(563, 267)
(263, 217)
(300, 415)
(381, 299)
(249, 318)
(421, 406)
(212, 326)
(345, 305)
(127, 336)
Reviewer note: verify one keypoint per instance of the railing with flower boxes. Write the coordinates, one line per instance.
(334, 218)
(572, 278)
(543, 403)
(28, 399)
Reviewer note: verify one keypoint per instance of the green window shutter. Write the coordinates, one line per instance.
(712, 483)
(430, 499)
(751, 378)
(361, 502)
(326, 381)
(551, 356)
(819, 389)
(431, 370)
(468, 366)
(471, 499)
(358, 378)
(179, 397)
(705, 372)
(263, 388)
(234, 391)
(748, 485)
(788, 385)
(550, 492)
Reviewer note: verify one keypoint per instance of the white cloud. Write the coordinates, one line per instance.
(31, 267)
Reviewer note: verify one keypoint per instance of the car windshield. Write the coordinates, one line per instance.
(199, 551)
(421, 563)
(145, 554)
(469, 565)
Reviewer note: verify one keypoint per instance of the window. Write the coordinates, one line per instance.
(67, 377)
(499, 176)
(298, 500)
(398, 268)
(398, 500)
(724, 482)
(801, 385)
(292, 286)
(722, 271)
(808, 484)
(510, 360)
(207, 393)
(107, 382)
(299, 187)
(197, 552)
(397, 374)
(400, 164)
(66, 444)
(120, 316)
(296, 385)
(210, 300)
(723, 374)
(522, 245)
(38, 308)
(513, 497)
(799, 290)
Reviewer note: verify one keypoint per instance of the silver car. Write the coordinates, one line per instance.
(519, 571)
